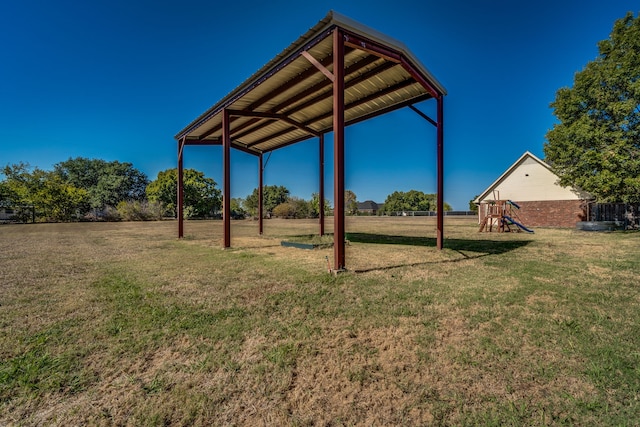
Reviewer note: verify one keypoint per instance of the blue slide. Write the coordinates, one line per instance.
(508, 218)
(514, 204)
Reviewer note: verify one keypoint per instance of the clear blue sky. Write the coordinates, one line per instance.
(118, 79)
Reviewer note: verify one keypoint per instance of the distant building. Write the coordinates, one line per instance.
(531, 183)
(368, 207)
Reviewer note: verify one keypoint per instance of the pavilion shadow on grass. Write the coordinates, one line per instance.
(338, 73)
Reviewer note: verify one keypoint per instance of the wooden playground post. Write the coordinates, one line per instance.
(494, 211)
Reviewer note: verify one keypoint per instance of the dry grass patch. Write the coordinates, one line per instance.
(105, 324)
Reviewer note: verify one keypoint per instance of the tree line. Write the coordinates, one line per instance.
(74, 189)
(93, 189)
(595, 146)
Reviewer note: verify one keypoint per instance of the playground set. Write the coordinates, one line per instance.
(502, 215)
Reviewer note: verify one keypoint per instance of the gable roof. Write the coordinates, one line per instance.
(528, 158)
(290, 98)
(368, 205)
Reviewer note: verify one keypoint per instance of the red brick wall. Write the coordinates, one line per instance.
(551, 213)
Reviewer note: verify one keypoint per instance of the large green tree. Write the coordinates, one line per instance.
(272, 196)
(8, 196)
(108, 183)
(51, 197)
(201, 197)
(596, 144)
(237, 209)
(472, 206)
(350, 202)
(413, 200)
(314, 206)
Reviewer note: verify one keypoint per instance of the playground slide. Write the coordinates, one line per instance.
(528, 230)
(514, 204)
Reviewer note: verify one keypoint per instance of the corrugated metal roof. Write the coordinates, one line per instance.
(289, 100)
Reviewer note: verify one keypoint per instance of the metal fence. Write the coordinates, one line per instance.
(433, 213)
(626, 215)
(17, 214)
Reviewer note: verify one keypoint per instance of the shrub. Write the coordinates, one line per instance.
(133, 210)
(111, 214)
(293, 208)
(284, 210)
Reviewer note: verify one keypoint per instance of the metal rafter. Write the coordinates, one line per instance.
(254, 83)
(218, 141)
(347, 107)
(308, 73)
(327, 94)
(360, 119)
(282, 117)
(282, 106)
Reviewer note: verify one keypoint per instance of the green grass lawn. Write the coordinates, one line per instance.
(124, 324)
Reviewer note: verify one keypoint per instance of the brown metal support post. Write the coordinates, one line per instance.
(260, 196)
(321, 189)
(226, 193)
(180, 196)
(440, 180)
(338, 150)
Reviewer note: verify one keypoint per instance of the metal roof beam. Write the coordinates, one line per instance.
(374, 48)
(300, 95)
(259, 124)
(292, 142)
(391, 108)
(324, 70)
(282, 117)
(309, 72)
(371, 47)
(364, 100)
(423, 115)
(377, 113)
(353, 68)
(218, 141)
(273, 136)
(350, 83)
(245, 149)
(420, 78)
(231, 98)
(200, 141)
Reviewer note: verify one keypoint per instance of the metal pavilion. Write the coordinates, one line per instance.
(338, 73)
